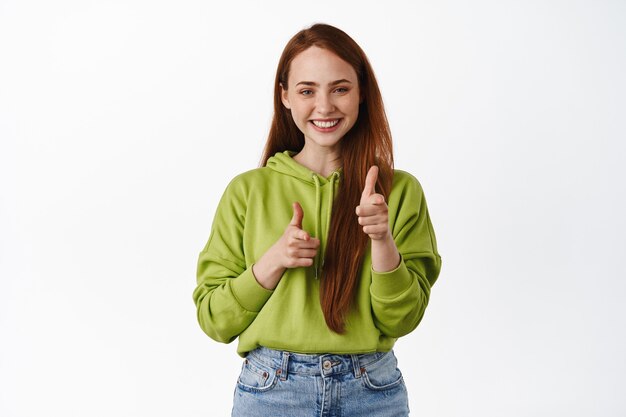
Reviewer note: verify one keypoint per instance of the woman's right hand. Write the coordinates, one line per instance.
(295, 248)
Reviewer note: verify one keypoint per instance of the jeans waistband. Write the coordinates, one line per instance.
(326, 364)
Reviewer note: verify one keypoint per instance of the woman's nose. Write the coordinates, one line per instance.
(324, 104)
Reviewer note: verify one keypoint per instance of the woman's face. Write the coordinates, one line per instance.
(323, 95)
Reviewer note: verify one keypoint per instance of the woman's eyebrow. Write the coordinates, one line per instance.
(314, 84)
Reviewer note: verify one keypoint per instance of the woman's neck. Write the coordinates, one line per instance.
(322, 161)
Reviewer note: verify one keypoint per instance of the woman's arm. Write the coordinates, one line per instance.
(227, 296)
(405, 261)
(230, 294)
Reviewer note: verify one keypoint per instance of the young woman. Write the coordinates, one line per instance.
(320, 259)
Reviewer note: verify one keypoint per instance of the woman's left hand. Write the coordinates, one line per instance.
(372, 210)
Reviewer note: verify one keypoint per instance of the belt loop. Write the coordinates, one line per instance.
(284, 366)
(356, 366)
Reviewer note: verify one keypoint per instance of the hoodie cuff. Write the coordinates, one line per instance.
(248, 292)
(392, 283)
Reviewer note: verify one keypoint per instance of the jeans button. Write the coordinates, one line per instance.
(327, 365)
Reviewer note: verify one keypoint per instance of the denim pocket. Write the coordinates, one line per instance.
(383, 374)
(256, 377)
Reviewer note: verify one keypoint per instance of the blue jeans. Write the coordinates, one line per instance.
(277, 383)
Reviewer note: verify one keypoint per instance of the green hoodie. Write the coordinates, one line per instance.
(253, 214)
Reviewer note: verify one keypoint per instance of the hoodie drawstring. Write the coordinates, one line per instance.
(319, 265)
(318, 197)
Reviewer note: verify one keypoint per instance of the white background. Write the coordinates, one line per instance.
(121, 122)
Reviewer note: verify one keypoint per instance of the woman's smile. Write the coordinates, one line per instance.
(326, 125)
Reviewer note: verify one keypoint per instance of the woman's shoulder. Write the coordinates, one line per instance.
(251, 178)
(406, 190)
(244, 186)
(404, 180)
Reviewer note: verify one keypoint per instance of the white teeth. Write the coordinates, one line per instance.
(325, 124)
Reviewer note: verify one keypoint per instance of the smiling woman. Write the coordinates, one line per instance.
(318, 301)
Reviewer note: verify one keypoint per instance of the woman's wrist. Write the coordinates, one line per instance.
(267, 272)
(385, 255)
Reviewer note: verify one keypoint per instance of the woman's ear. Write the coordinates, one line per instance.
(284, 96)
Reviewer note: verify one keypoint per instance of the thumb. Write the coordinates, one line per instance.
(298, 214)
(370, 183)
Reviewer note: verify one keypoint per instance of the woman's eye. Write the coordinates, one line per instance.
(341, 90)
(306, 92)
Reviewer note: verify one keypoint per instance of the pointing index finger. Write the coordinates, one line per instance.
(298, 214)
(370, 182)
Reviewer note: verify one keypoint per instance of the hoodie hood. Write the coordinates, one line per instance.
(284, 163)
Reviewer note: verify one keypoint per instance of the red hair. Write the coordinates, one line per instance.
(367, 143)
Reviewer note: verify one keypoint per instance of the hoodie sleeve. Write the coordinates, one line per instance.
(228, 296)
(399, 297)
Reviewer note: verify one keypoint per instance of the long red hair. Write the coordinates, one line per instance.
(367, 143)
